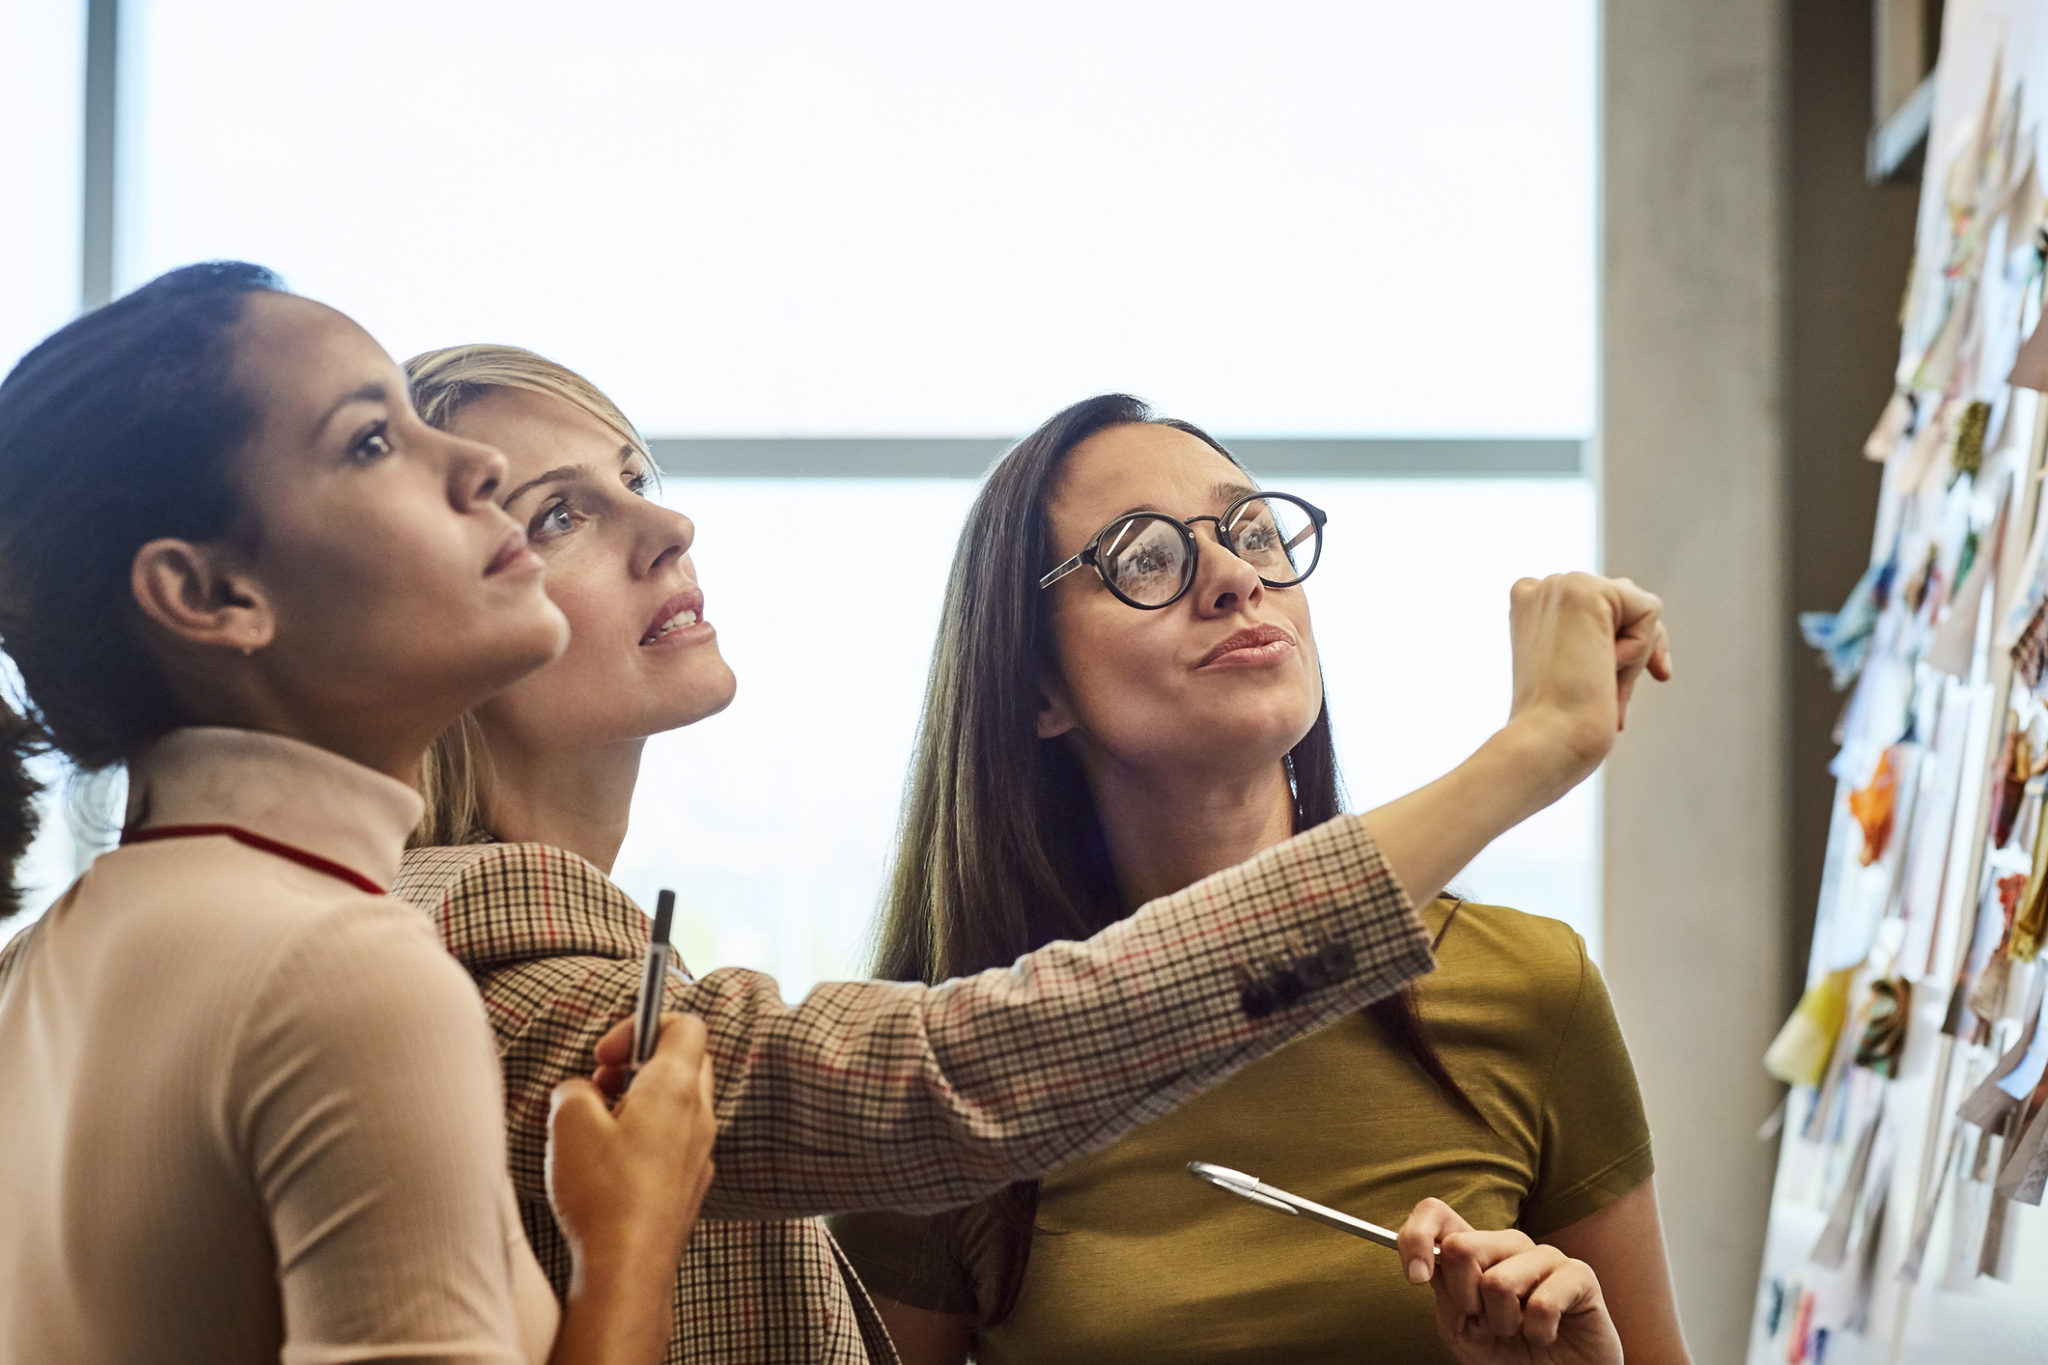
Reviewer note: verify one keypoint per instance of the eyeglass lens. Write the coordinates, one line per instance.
(1147, 559)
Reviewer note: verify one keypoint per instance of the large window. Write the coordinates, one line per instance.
(42, 88)
(1308, 217)
(808, 238)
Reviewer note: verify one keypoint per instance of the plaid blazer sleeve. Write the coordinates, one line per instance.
(872, 1095)
(882, 1095)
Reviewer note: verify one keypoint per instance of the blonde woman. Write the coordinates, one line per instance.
(871, 1095)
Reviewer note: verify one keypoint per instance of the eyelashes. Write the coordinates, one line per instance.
(555, 519)
(373, 444)
(559, 516)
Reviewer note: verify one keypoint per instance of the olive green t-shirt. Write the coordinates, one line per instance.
(1136, 1261)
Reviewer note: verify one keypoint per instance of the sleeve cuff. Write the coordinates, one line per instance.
(1590, 1195)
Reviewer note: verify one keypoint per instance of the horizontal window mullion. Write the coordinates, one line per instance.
(945, 457)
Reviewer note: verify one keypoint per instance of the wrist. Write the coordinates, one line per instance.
(620, 1258)
(619, 1306)
(1536, 760)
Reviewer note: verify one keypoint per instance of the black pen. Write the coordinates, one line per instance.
(653, 980)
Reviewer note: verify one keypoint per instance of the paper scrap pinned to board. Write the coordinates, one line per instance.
(1799, 1054)
(1923, 454)
(2023, 203)
(1938, 365)
(1931, 836)
(1833, 1247)
(2030, 367)
(1843, 637)
(1991, 1103)
(2019, 1082)
(1892, 425)
(1966, 1226)
(1930, 1204)
(2024, 1175)
(1954, 646)
(1966, 455)
(1874, 805)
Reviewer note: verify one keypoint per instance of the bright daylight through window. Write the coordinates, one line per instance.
(910, 219)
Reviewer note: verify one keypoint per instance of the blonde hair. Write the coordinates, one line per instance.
(455, 775)
(448, 380)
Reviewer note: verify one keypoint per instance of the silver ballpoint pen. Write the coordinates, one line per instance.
(1293, 1205)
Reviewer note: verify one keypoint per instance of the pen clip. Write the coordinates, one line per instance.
(1238, 1183)
(1268, 1201)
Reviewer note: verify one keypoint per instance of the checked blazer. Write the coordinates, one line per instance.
(873, 1095)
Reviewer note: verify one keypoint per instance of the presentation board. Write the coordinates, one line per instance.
(1905, 1220)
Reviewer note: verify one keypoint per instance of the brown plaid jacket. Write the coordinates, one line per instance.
(881, 1095)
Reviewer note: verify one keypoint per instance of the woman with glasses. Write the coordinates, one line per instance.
(873, 1095)
(1125, 697)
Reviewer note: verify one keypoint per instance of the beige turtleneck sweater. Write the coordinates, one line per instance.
(248, 1110)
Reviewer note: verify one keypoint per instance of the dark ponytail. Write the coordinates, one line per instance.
(21, 740)
(121, 427)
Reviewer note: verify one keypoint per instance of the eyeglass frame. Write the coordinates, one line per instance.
(1091, 553)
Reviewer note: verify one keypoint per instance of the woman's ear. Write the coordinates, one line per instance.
(198, 595)
(1055, 716)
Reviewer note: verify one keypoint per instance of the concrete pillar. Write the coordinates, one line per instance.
(1693, 135)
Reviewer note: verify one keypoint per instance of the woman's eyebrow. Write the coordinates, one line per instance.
(372, 392)
(559, 472)
(1225, 493)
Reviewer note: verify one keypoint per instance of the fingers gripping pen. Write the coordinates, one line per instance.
(653, 978)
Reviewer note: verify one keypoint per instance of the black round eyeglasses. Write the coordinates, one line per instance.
(1148, 559)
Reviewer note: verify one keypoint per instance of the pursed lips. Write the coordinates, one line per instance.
(1253, 637)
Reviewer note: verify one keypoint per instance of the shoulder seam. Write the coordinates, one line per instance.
(1644, 1148)
(453, 866)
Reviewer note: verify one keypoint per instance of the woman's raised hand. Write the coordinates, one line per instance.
(1502, 1299)
(626, 1182)
(1581, 642)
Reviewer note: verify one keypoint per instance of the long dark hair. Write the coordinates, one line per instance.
(1001, 849)
(120, 427)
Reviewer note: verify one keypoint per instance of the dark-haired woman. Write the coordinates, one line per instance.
(252, 1112)
(1126, 695)
(869, 1095)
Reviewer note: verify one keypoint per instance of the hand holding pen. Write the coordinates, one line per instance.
(625, 1182)
(628, 1045)
(1502, 1299)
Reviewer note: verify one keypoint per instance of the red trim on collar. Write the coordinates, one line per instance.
(256, 841)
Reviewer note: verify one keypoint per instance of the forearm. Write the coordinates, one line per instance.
(618, 1311)
(1428, 836)
(1624, 1243)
